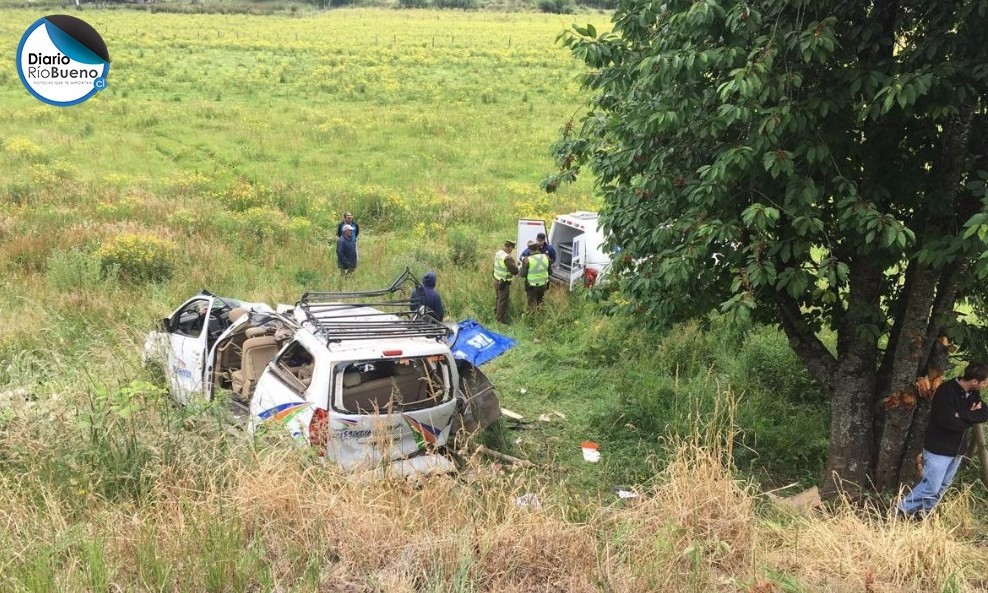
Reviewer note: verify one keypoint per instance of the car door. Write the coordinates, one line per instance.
(188, 332)
(282, 395)
(528, 230)
(579, 260)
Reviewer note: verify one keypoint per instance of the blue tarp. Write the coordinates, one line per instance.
(477, 344)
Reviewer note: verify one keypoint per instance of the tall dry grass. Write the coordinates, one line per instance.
(223, 513)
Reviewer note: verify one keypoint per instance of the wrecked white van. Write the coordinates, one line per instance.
(360, 376)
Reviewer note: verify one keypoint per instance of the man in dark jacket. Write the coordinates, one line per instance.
(427, 298)
(348, 221)
(346, 251)
(544, 247)
(956, 405)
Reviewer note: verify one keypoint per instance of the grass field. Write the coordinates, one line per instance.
(222, 155)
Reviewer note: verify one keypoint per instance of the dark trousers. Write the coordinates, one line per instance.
(502, 294)
(535, 295)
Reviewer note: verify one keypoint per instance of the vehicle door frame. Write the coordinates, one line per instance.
(186, 360)
(528, 230)
(579, 260)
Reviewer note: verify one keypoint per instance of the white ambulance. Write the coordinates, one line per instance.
(579, 244)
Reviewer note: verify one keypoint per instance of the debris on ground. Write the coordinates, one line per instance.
(805, 502)
(503, 456)
(511, 415)
(591, 451)
(529, 501)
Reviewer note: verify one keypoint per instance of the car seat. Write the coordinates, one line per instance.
(257, 353)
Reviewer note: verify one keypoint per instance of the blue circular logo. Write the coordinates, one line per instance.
(62, 60)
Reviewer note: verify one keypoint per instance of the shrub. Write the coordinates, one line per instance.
(243, 195)
(137, 256)
(381, 207)
(556, 6)
(457, 4)
(19, 147)
(74, 270)
(462, 248)
(766, 362)
(413, 3)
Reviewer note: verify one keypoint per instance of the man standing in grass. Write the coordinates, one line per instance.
(427, 298)
(956, 405)
(504, 269)
(348, 221)
(346, 251)
(535, 271)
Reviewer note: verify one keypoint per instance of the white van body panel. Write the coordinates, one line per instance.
(528, 230)
(579, 245)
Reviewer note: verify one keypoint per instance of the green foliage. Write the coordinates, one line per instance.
(260, 224)
(730, 217)
(76, 270)
(457, 4)
(117, 461)
(243, 195)
(462, 248)
(380, 207)
(137, 257)
(556, 6)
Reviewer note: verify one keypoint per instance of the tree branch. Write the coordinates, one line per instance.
(819, 361)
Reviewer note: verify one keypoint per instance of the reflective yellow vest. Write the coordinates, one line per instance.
(500, 269)
(538, 269)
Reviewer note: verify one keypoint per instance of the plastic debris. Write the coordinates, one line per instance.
(591, 451)
(529, 501)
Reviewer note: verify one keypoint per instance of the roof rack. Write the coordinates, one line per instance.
(359, 315)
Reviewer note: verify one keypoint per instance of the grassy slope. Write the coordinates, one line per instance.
(238, 141)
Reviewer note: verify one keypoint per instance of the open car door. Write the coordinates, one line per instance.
(579, 260)
(528, 230)
(188, 335)
(481, 406)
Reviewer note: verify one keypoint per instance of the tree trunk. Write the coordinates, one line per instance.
(948, 169)
(849, 462)
(909, 356)
(936, 365)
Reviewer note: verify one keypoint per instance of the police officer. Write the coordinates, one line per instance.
(535, 271)
(545, 247)
(505, 268)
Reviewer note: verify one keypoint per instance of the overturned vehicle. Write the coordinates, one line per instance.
(363, 377)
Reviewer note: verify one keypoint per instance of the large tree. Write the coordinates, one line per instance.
(818, 163)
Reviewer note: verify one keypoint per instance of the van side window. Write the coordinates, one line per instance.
(295, 367)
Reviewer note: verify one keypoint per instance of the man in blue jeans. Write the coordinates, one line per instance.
(956, 405)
